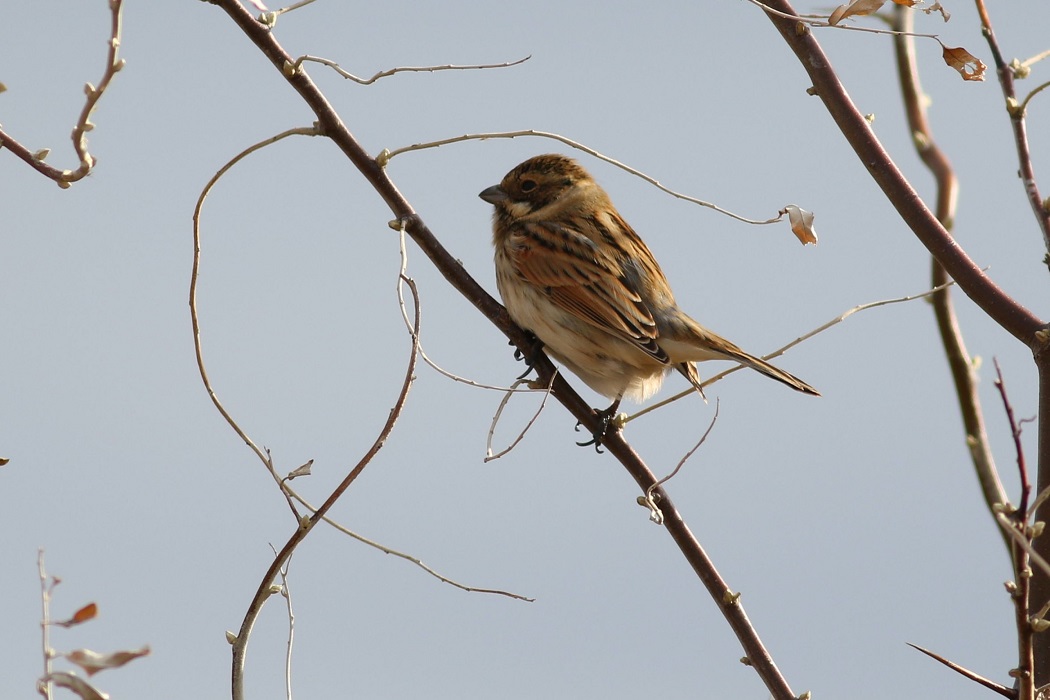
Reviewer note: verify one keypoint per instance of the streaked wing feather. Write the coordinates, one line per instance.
(586, 280)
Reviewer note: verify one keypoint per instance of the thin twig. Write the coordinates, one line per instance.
(655, 514)
(489, 456)
(240, 642)
(409, 558)
(195, 275)
(1021, 534)
(65, 178)
(387, 155)
(264, 455)
(398, 226)
(286, 593)
(991, 685)
(1015, 432)
(963, 369)
(1017, 120)
(401, 69)
(819, 21)
(999, 306)
(784, 348)
(44, 684)
(1020, 538)
(269, 18)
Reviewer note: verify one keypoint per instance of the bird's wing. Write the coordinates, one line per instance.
(585, 279)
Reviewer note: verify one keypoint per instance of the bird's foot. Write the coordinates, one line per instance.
(608, 420)
(529, 357)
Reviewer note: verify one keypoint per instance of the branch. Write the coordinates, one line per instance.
(1017, 121)
(400, 69)
(964, 374)
(387, 155)
(1012, 316)
(240, 642)
(457, 276)
(65, 178)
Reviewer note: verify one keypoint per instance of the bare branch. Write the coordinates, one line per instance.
(43, 685)
(297, 64)
(195, 274)
(1004, 310)
(655, 514)
(1017, 121)
(784, 348)
(387, 155)
(489, 456)
(240, 641)
(964, 373)
(65, 178)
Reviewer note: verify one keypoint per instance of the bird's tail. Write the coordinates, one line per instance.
(772, 372)
(705, 345)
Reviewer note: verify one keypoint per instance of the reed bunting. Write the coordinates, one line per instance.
(575, 274)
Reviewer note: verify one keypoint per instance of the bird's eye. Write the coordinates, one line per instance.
(528, 185)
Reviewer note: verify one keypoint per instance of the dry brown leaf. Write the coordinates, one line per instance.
(92, 662)
(88, 612)
(857, 7)
(968, 65)
(937, 7)
(77, 684)
(801, 224)
(303, 470)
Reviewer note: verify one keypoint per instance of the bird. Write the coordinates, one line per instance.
(573, 272)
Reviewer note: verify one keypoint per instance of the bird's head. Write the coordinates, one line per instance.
(552, 184)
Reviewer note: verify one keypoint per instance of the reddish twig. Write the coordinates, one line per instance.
(1020, 591)
(1017, 122)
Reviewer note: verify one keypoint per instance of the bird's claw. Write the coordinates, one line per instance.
(529, 358)
(606, 420)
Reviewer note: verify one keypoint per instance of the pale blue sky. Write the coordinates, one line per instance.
(851, 523)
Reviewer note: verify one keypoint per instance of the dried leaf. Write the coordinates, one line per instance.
(801, 224)
(75, 683)
(303, 470)
(960, 59)
(857, 7)
(92, 662)
(88, 612)
(937, 7)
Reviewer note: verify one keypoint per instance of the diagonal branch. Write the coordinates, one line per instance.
(457, 276)
(1008, 313)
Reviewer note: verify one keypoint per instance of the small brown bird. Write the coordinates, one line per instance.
(575, 274)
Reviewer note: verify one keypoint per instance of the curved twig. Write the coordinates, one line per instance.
(387, 155)
(65, 178)
(240, 642)
(964, 373)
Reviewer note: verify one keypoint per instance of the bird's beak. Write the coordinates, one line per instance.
(493, 195)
